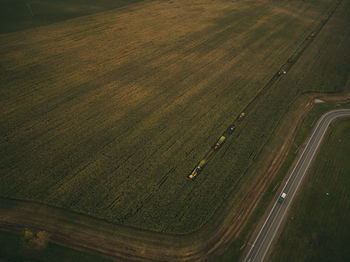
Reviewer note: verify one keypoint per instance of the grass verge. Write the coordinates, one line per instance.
(237, 247)
(317, 227)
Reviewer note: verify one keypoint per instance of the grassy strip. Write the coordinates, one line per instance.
(15, 248)
(236, 248)
(317, 228)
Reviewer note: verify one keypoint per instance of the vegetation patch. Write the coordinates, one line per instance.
(317, 227)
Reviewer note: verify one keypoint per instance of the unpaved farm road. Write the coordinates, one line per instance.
(271, 225)
(98, 236)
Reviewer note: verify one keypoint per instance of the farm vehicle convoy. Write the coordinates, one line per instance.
(222, 139)
(193, 175)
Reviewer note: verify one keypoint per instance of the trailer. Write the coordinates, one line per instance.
(219, 143)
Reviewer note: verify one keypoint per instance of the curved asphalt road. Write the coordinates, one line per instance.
(268, 231)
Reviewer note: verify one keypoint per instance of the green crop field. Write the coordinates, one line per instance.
(107, 114)
(318, 225)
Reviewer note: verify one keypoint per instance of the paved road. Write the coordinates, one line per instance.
(268, 231)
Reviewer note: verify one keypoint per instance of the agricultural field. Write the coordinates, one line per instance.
(107, 114)
(317, 228)
(17, 15)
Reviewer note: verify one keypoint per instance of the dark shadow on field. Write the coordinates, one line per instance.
(17, 15)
